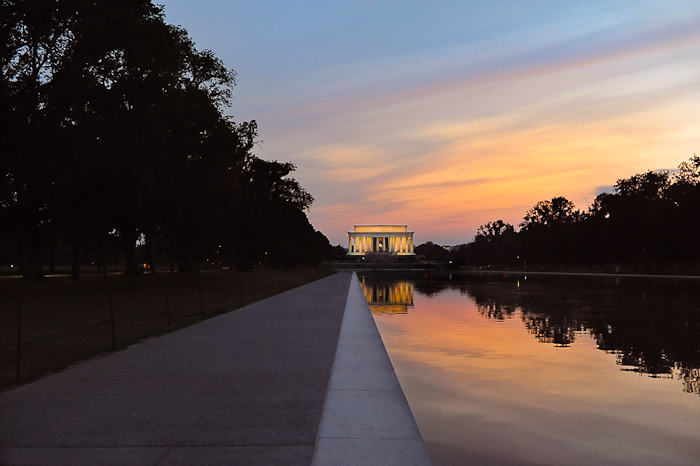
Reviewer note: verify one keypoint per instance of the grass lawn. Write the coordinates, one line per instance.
(65, 321)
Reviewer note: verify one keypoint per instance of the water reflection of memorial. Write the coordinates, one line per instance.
(388, 297)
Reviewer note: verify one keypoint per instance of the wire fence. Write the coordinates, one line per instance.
(48, 326)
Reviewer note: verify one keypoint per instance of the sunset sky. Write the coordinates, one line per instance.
(445, 115)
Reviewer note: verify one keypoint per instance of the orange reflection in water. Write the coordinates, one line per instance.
(388, 298)
(486, 392)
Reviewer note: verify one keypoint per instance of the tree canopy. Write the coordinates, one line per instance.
(113, 133)
(650, 221)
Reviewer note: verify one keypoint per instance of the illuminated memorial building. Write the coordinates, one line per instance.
(381, 239)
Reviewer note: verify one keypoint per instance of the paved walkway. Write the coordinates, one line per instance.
(244, 388)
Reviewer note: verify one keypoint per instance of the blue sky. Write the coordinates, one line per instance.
(445, 115)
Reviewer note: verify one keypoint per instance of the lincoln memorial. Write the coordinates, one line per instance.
(381, 239)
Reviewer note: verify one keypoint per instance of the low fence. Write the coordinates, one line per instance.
(47, 326)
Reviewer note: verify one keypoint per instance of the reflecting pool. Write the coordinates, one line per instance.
(534, 371)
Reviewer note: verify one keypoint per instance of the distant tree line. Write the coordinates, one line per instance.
(651, 221)
(113, 134)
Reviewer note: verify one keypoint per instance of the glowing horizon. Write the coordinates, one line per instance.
(446, 117)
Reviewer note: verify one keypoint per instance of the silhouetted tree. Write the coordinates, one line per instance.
(36, 40)
(649, 221)
(495, 244)
(684, 193)
(558, 211)
(432, 251)
(113, 132)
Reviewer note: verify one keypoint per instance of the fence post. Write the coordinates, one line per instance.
(111, 313)
(201, 300)
(223, 289)
(167, 310)
(240, 288)
(19, 334)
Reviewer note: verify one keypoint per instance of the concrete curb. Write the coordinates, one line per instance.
(366, 418)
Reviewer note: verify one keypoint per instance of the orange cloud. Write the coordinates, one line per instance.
(448, 156)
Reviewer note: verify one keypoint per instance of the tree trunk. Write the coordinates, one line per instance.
(183, 262)
(31, 266)
(52, 258)
(184, 256)
(101, 258)
(75, 263)
(149, 254)
(128, 248)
